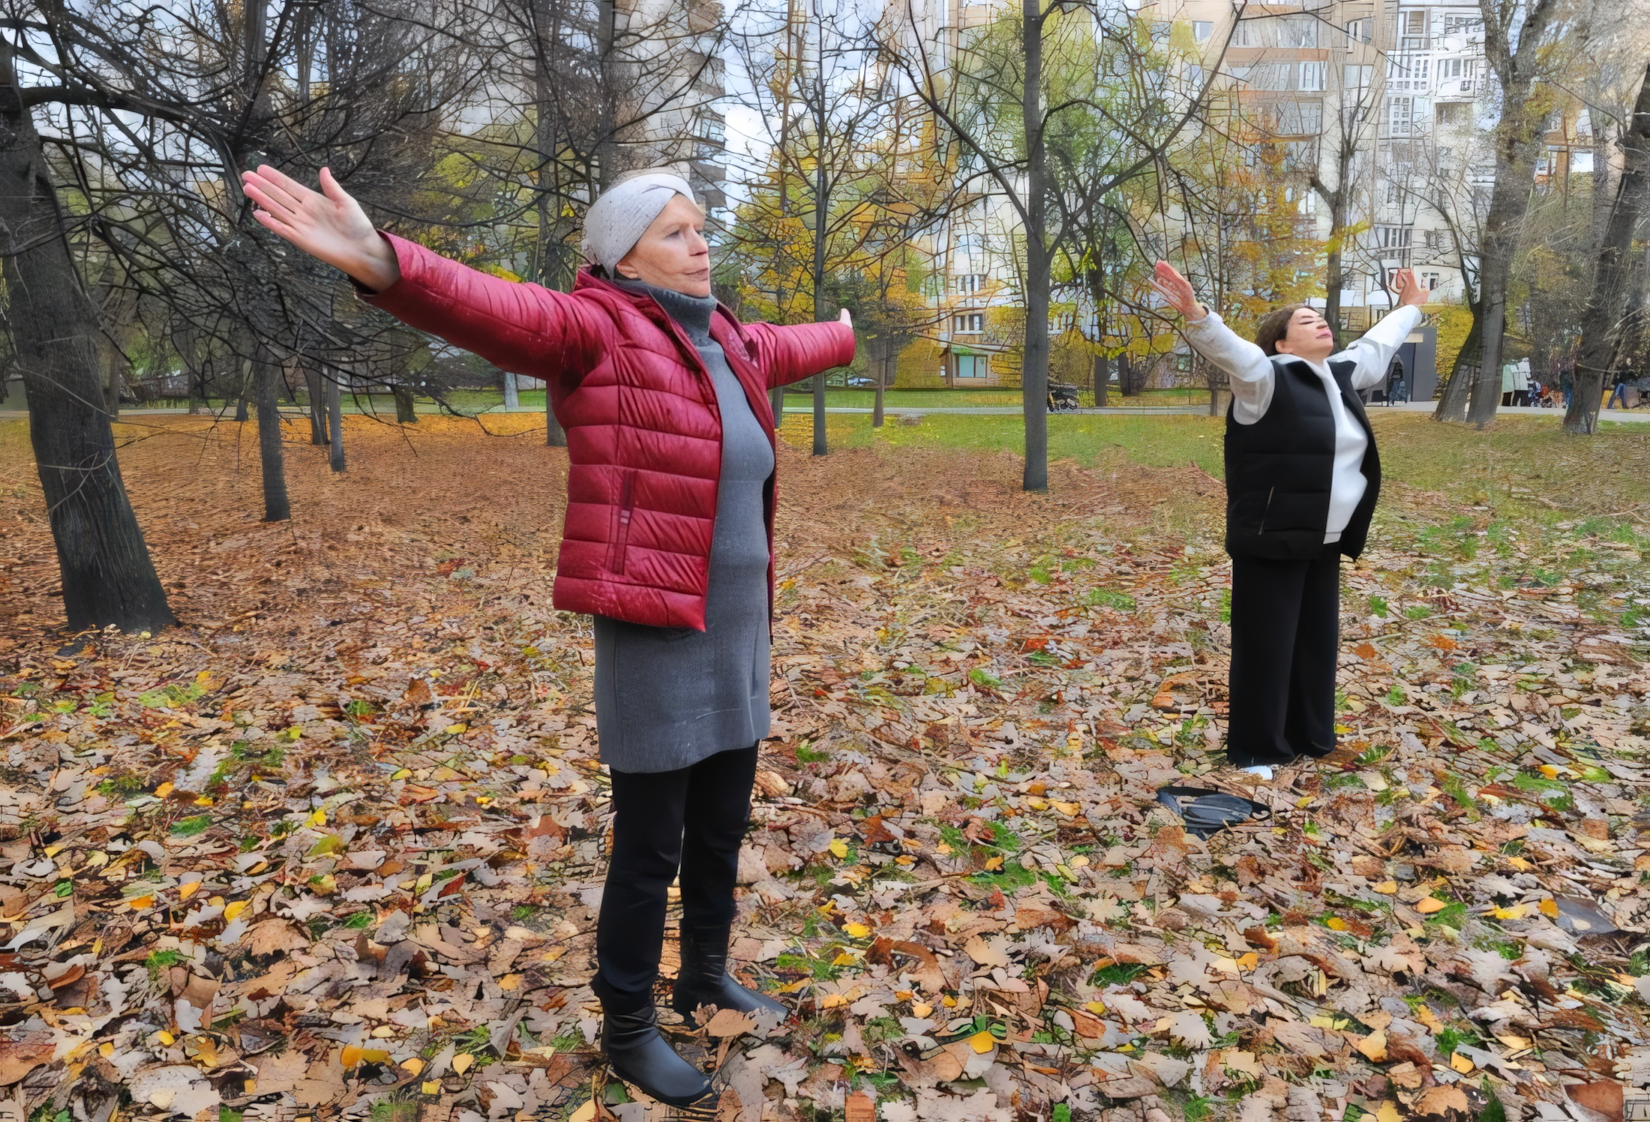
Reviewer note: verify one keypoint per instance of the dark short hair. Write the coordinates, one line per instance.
(1275, 326)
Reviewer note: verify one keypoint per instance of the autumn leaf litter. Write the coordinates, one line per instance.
(339, 841)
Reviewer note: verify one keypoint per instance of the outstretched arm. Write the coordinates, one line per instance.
(522, 328)
(1247, 365)
(791, 353)
(328, 224)
(1374, 350)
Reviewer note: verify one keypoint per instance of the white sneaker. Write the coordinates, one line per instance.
(1263, 771)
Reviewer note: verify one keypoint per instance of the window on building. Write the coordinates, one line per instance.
(1394, 237)
(1431, 281)
(1312, 76)
(709, 126)
(973, 324)
(1399, 115)
(970, 283)
(1358, 30)
(971, 366)
(1299, 31)
(1415, 22)
(1202, 29)
(1240, 74)
(1355, 79)
(1453, 113)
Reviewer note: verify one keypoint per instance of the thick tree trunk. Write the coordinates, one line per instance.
(1518, 142)
(108, 577)
(512, 393)
(277, 508)
(1102, 378)
(405, 414)
(1602, 326)
(1034, 369)
(776, 402)
(114, 382)
(1452, 402)
(244, 383)
(335, 422)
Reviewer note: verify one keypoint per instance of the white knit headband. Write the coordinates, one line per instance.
(617, 219)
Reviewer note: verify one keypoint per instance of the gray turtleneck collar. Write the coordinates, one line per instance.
(692, 312)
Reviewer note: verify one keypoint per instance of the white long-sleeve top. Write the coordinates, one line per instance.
(1253, 373)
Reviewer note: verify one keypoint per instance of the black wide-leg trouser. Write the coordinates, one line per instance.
(687, 822)
(1285, 631)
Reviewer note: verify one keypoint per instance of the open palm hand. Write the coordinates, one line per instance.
(1177, 290)
(327, 224)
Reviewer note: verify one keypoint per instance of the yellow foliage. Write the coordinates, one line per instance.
(919, 366)
(1454, 321)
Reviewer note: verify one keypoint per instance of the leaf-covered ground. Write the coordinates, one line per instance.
(337, 842)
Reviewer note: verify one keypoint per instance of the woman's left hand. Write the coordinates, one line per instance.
(1411, 292)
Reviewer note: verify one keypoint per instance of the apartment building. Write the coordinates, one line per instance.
(971, 258)
(669, 49)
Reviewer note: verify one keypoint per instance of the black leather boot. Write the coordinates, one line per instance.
(638, 1054)
(704, 979)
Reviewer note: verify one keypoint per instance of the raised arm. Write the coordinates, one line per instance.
(791, 353)
(1246, 364)
(1374, 349)
(522, 328)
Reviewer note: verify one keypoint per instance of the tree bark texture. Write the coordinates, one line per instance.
(1102, 376)
(405, 414)
(335, 423)
(821, 205)
(108, 577)
(882, 382)
(317, 405)
(1034, 368)
(277, 508)
(1602, 325)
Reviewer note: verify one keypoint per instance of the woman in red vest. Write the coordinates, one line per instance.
(668, 543)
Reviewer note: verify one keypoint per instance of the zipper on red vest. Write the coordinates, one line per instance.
(621, 533)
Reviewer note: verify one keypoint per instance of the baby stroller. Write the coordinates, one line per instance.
(1062, 398)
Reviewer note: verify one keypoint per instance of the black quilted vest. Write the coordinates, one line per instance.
(1279, 470)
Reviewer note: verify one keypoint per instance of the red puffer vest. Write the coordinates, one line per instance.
(644, 436)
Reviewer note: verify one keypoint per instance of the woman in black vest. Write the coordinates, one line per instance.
(1302, 477)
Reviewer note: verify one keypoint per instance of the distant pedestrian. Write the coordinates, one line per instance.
(1618, 390)
(1509, 372)
(1396, 389)
(1521, 382)
(1567, 381)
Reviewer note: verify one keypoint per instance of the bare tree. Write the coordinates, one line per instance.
(1005, 92)
(1521, 45)
(1602, 328)
(108, 577)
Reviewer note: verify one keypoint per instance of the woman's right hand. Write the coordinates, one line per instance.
(1177, 290)
(327, 224)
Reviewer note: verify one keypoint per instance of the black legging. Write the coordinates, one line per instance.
(1285, 632)
(690, 821)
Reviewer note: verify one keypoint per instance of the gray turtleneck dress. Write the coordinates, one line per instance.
(666, 698)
